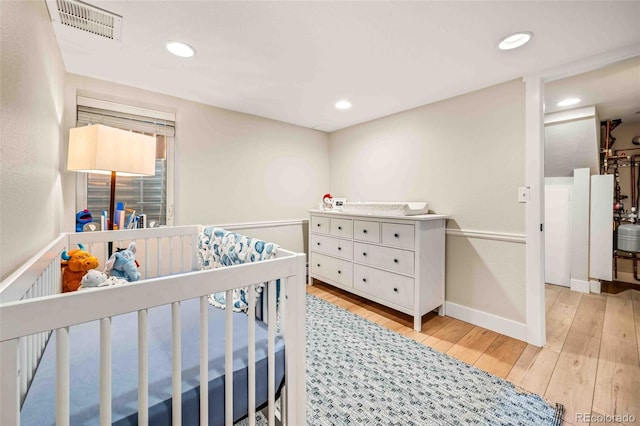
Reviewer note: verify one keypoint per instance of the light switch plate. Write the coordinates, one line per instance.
(523, 194)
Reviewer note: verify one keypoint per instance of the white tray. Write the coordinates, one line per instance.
(399, 208)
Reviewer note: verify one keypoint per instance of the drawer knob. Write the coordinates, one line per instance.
(318, 243)
(395, 289)
(364, 230)
(396, 235)
(364, 280)
(339, 228)
(318, 225)
(395, 260)
(364, 254)
(318, 265)
(339, 271)
(339, 248)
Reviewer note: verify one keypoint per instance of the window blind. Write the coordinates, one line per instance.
(138, 123)
(146, 194)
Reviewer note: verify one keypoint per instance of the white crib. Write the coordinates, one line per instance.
(31, 307)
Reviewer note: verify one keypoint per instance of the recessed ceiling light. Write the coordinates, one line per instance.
(515, 40)
(568, 102)
(343, 104)
(180, 49)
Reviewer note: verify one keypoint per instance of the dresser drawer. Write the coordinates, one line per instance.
(398, 235)
(332, 246)
(338, 270)
(342, 228)
(396, 260)
(365, 230)
(320, 224)
(388, 286)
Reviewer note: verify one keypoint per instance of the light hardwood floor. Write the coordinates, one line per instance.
(590, 364)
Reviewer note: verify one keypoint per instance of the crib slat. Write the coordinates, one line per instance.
(228, 361)
(143, 369)
(251, 294)
(204, 361)
(43, 292)
(10, 401)
(105, 371)
(284, 401)
(271, 349)
(105, 252)
(146, 258)
(182, 253)
(30, 358)
(171, 258)
(23, 367)
(62, 376)
(159, 257)
(176, 377)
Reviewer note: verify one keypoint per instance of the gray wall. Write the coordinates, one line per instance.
(31, 98)
(571, 142)
(465, 157)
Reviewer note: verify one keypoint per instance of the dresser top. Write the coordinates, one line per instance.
(380, 215)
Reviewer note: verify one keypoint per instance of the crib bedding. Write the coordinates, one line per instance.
(39, 405)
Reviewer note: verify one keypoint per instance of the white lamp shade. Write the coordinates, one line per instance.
(103, 149)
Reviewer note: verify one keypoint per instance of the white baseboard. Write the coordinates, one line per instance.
(492, 322)
(580, 285)
(594, 286)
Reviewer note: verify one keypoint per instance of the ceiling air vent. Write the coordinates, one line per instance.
(82, 16)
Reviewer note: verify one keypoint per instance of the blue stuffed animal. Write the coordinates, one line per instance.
(82, 218)
(122, 264)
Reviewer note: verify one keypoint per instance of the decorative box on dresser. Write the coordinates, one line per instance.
(397, 261)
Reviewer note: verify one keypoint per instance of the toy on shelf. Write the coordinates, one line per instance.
(122, 264)
(82, 218)
(327, 202)
(75, 265)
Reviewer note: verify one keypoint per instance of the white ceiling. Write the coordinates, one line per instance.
(291, 61)
(614, 91)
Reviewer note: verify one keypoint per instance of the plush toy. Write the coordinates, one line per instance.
(75, 265)
(122, 264)
(94, 278)
(327, 201)
(83, 217)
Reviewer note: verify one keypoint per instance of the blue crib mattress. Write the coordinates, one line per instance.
(84, 349)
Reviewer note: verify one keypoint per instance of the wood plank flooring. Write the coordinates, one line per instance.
(591, 362)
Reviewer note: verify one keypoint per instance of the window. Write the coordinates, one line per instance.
(150, 195)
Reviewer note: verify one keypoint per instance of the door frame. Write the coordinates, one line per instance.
(534, 178)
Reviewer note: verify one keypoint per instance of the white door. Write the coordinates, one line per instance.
(558, 234)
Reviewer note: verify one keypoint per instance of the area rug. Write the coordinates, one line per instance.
(359, 373)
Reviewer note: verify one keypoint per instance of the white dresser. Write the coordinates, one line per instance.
(397, 261)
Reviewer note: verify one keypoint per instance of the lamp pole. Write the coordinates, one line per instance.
(112, 205)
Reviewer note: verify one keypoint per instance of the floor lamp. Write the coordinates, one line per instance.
(106, 150)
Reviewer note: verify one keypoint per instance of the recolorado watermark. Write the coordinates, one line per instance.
(604, 418)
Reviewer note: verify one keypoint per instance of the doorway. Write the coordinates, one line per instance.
(534, 176)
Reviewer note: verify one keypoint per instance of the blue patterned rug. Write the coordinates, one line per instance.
(359, 373)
